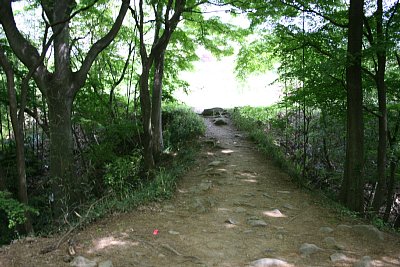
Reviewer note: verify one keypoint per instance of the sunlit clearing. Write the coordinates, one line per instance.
(227, 151)
(274, 213)
(110, 241)
(250, 180)
(213, 84)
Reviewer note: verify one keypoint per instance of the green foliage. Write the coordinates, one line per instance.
(180, 125)
(250, 119)
(117, 139)
(14, 209)
(122, 174)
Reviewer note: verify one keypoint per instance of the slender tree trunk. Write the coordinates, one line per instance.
(156, 122)
(17, 125)
(351, 193)
(145, 106)
(390, 191)
(380, 82)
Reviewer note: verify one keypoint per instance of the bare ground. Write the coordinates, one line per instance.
(232, 208)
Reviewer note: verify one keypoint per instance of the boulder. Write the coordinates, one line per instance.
(213, 111)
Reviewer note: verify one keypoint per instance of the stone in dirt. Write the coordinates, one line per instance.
(107, 263)
(203, 186)
(369, 231)
(325, 230)
(307, 249)
(269, 262)
(366, 261)
(172, 232)
(255, 222)
(80, 261)
(330, 242)
(338, 257)
(201, 205)
(231, 221)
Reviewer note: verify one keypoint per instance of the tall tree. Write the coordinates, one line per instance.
(167, 16)
(17, 121)
(59, 86)
(351, 192)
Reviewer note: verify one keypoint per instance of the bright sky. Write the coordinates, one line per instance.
(213, 84)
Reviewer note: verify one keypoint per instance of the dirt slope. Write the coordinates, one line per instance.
(232, 208)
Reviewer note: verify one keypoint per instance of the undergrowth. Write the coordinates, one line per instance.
(249, 120)
(128, 187)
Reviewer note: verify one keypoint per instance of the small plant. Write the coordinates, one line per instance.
(14, 210)
(122, 175)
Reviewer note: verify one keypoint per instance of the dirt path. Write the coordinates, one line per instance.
(232, 208)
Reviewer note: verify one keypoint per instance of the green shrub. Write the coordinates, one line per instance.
(14, 210)
(122, 174)
(180, 125)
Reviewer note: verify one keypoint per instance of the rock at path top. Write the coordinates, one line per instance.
(268, 262)
(213, 111)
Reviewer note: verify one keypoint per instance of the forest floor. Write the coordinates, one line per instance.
(232, 208)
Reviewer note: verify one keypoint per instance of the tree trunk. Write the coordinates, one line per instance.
(17, 125)
(380, 82)
(156, 122)
(145, 106)
(65, 183)
(390, 190)
(351, 193)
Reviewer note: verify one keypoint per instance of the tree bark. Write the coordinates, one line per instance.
(351, 193)
(61, 149)
(382, 135)
(145, 105)
(156, 114)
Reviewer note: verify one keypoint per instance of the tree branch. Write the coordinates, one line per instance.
(303, 9)
(100, 45)
(22, 48)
